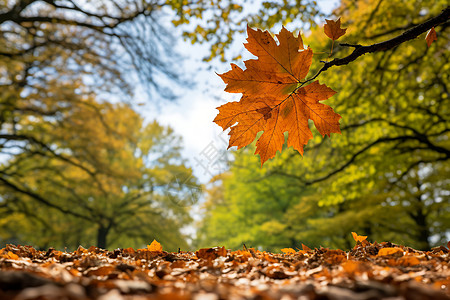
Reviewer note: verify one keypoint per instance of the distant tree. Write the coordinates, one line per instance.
(114, 181)
(57, 60)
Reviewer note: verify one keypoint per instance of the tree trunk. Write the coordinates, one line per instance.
(420, 218)
(102, 233)
(423, 234)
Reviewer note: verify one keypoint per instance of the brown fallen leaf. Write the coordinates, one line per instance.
(243, 274)
(211, 253)
(305, 248)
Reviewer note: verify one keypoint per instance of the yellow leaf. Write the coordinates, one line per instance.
(155, 246)
(288, 250)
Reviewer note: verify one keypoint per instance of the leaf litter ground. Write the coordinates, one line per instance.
(368, 271)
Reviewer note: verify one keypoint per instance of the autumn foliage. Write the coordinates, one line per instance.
(381, 270)
(276, 96)
(431, 36)
(333, 29)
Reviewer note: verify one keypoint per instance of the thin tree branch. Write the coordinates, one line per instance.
(42, 200)
(358, 153)
(386, 45)
(15, 11)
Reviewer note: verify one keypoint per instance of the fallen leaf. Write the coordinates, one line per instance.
(11, 255)
(211, 253)
(333, 29)
(129, 250)
(100, 271)
(155, 246)
(288, 250)
(178, 264)
(80, 250)
(243, 274)
(359, 238)
(221, 251)
(409, 261)
(275, 96)
(241, 255)
(352, 267)
(390, 251)
(306, 248)
(431, 36)
(275, 272)
(338, 259)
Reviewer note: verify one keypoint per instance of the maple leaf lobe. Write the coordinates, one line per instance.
(323, 116)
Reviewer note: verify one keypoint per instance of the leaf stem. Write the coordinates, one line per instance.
(331, 51)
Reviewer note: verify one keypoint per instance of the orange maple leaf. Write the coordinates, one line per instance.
(275, 96)
(155, 246)
(431, 36)
(333, 29)
(358, 238)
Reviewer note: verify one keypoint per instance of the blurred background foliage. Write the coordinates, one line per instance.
(385, 176)
(80, 165)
